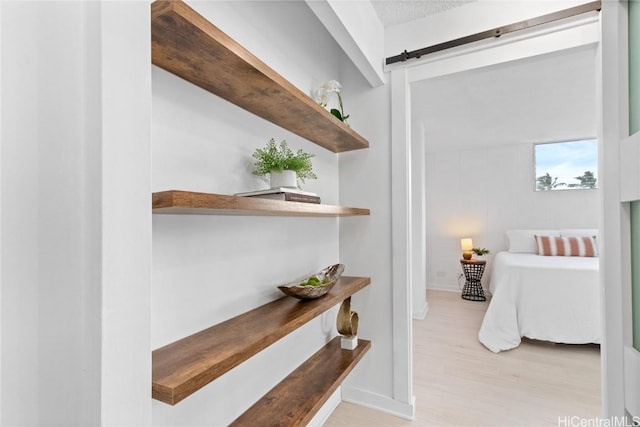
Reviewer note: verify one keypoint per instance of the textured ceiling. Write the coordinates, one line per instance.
(392, 12)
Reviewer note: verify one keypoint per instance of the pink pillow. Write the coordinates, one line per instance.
(566, 246)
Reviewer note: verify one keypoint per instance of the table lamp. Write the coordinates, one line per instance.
(467, 245)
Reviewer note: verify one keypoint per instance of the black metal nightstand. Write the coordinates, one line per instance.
(473, 271)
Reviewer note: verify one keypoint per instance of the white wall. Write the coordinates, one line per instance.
(19, 225)
(75, 115)
(0, 217)
(365, 243)
(358, 31)
(418, 210)
(125, 230)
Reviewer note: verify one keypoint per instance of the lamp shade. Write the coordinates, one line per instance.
(466, 244)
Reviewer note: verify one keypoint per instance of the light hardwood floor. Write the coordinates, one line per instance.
(458, 382)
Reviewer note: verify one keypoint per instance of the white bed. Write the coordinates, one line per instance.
(550, 298)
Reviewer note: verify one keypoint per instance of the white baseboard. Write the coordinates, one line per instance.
(381, 403)
(444, 287)
(327, 409)
(422, 312)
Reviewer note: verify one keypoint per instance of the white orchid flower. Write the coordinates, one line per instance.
(321, 96)
(332, 86)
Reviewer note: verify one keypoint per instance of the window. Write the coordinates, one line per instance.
(566, 165)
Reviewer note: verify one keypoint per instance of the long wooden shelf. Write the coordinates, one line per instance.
(190, 203)
(185, 366)
(187, 45)
(295, 400)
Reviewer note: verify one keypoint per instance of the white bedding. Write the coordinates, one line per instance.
(544, 298)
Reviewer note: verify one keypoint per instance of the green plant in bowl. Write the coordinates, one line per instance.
(279, 157)
(314, 281)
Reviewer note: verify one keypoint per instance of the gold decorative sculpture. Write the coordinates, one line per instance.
(347, 324)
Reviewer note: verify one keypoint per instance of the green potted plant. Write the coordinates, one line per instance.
(283, 166)
(480, 252)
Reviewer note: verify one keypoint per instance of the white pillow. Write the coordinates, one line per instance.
(580, 232)
(524, 241)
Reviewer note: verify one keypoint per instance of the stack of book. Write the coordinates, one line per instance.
(284, 193)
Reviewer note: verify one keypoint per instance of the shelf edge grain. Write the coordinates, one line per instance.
(186, 44)
(178, 202)
(184, 366)
(297, 398)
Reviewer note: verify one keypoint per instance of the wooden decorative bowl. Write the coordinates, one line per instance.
(296, 290)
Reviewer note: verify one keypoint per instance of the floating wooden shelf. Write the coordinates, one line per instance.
(187, 45)
(185, 366)
(300, 396)
(186, 202)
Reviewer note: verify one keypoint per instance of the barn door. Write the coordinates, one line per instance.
(630, 198)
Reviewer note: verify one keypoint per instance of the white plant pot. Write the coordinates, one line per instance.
(286, 178)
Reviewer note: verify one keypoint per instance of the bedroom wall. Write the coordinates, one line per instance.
(480, 165)
(483, 210)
